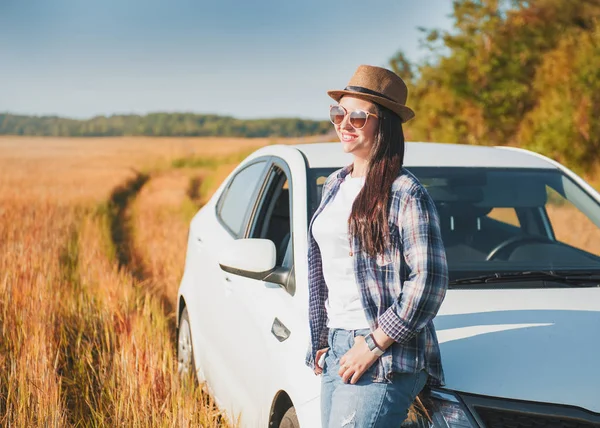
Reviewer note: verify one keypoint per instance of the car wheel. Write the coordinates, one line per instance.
(185, 351)
(289, 419)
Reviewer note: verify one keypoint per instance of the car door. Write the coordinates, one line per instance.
(212, 313)
(266, 313)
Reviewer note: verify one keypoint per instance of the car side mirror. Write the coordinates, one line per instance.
(256, 259)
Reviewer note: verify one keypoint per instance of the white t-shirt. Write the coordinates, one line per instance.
(330, 230)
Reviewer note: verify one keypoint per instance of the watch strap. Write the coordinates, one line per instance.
(373, 346)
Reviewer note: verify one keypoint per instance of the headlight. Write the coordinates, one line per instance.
(447, 411)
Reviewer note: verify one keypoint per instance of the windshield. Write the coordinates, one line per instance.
(506, 220)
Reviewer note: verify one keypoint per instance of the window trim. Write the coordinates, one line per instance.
(276, 162)
(252, 220)
(253, 197)
(281, 164)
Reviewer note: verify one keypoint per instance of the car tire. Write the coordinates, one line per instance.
(289, 419)
(185, 351)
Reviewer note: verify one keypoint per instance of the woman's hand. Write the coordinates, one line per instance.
(356, 361)
(319, 369)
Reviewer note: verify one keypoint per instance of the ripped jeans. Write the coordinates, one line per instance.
(366, 404)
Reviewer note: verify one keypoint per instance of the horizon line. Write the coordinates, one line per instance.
(181, 112)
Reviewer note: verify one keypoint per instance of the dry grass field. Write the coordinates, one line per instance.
(92, 245)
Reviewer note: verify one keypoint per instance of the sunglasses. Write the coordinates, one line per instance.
(358, 118)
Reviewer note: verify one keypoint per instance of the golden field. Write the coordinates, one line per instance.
(92, 245)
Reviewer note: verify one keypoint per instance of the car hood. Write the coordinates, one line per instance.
(539, 345)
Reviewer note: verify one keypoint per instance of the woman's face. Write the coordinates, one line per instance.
(357, 141)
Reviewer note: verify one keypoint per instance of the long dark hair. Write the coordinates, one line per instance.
(369, 216)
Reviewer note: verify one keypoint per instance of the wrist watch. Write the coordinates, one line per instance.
(373, 346)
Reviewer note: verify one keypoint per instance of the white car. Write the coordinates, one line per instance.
(519, 329)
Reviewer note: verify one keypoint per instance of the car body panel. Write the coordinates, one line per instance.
(206, 294)
(537, 345)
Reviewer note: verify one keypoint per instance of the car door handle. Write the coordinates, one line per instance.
(279, 330)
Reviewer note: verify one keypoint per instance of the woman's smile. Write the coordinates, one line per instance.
(347, 137)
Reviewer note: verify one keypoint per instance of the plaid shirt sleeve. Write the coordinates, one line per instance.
(424, 290)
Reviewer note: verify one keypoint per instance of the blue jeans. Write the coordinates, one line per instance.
(366, 404)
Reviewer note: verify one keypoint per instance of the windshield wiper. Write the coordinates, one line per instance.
(565, 277)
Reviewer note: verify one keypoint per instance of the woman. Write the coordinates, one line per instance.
(377, 266)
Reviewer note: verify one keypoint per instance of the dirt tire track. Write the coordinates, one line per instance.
(123, 235)
(121, 231)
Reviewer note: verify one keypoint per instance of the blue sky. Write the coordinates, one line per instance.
(249, 59)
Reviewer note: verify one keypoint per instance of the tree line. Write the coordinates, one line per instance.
(160, 124)
(512, 72)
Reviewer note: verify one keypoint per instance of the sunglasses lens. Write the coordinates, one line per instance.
(336, 113)
(358, 118)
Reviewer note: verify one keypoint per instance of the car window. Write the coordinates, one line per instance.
(505, 215)
(495, 219)
(272, 219)
(235, 202)
(505, 219)
(570, 225)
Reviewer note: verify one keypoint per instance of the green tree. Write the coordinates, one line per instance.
(507, 74)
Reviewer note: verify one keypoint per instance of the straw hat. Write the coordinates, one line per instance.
(380, 86)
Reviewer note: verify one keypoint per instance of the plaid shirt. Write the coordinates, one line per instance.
(401, 291)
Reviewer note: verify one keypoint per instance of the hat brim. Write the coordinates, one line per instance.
(401, 110)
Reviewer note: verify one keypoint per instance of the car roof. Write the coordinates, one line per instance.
(331, 155)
